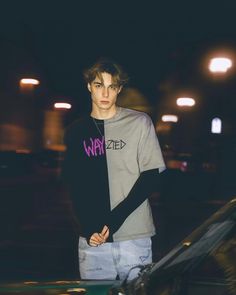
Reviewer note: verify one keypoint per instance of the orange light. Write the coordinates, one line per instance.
(187, 243)
(62, 105)
(23, 151)
(29, 81)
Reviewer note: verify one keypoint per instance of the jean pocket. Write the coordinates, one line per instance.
(142, 243)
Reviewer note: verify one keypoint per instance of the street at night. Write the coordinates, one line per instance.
(96, 97)
(39, 233)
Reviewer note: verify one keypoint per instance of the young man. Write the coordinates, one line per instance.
(111, 167)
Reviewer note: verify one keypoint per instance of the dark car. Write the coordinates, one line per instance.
(203, 263)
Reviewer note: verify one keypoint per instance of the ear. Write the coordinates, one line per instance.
(89, 87)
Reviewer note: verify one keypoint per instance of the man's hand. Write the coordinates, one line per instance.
(99, 238)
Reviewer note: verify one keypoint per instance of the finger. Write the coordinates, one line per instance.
(94, 242)
(102, 238)
(106, 234)
(104, 230)
(99, 237)
(96, 237)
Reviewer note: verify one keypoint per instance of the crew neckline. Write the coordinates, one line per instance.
(113, 118)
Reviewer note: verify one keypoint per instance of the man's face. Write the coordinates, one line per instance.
(103, 92)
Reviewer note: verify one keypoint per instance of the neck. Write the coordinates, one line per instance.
(103, 114)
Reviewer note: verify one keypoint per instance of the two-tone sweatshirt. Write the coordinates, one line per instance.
(111, 167)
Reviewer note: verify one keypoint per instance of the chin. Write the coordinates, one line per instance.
(107, 107)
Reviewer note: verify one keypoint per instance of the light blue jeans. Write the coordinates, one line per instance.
(110, 261)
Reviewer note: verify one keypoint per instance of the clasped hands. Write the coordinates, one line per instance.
(99, 238)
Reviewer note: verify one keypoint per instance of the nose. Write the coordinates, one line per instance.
(105, 92)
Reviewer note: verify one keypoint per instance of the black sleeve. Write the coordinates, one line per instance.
(147, 183)
(87, 221)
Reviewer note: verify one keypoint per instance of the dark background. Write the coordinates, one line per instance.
(157, 42)
(165, 47)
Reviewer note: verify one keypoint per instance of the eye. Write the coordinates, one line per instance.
(113, 87)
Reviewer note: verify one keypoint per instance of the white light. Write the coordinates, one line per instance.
(29, 81)
(169, 118)
(216, 125)
(220, 64)
(62, 105)
(185, 102)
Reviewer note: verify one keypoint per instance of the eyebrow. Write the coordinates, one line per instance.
(101, 83)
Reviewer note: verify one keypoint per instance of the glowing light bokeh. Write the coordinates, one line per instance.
(169, 118)
(29, 81)
(220, 64)
(185, 102)
(216, 125)
(62, 105)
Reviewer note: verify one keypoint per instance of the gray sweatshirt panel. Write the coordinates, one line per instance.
(131, 148)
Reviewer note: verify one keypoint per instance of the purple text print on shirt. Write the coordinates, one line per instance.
(94, 147)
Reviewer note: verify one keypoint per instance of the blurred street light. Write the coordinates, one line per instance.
(27, 85)
(54, 126)
(169, 118)
(220, 64)
(62, 105)
(185, 101)
(29, 81)
(216, 125)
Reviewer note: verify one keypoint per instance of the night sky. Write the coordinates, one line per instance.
(161, 44)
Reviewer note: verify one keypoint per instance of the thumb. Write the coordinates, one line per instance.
(104, 230)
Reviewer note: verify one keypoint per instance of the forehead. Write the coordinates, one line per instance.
(104, 78)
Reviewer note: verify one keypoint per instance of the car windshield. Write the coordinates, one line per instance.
(203, 262)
